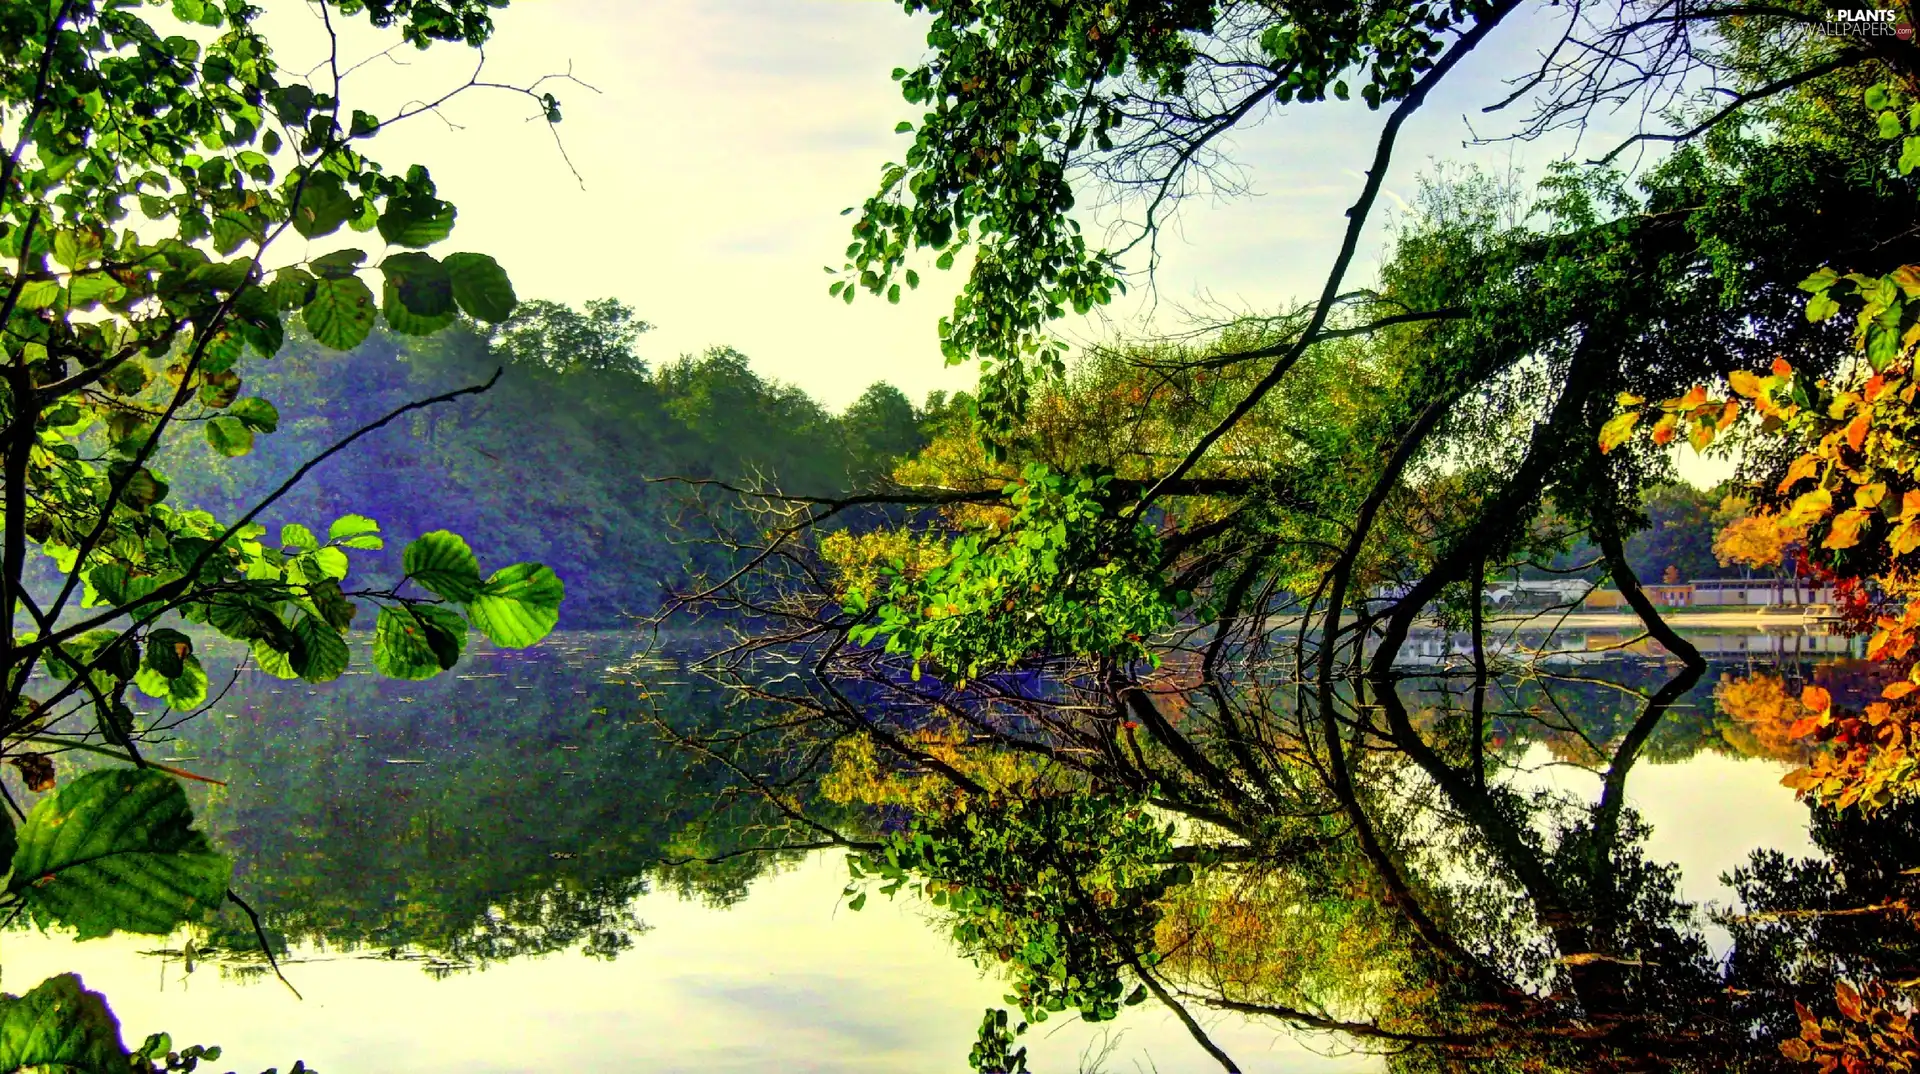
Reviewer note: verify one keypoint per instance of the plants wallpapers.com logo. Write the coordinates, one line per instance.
(1868, 22)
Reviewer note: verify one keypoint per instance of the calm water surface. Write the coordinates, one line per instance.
(467, 872)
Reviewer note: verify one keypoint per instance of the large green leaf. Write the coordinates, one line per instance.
(258, 414)
(416, 221)
(323, 207)
(340, 314)
(321, 653)
(422, 284)
(519, 605)
(405, 321)
(442, 562)
(229, 436)
(416, 642)
(481, 287)
(183, 691)
(60, 1027)
(115, 851)
(355, 531)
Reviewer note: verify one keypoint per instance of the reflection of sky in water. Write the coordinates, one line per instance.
(788, 980)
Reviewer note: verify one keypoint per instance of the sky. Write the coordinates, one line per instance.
(720, 140)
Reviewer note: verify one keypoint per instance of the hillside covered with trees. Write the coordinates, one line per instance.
(557, 462)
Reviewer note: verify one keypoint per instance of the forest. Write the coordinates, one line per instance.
(563, 461)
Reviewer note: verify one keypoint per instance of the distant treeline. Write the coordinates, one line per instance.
(551, 464)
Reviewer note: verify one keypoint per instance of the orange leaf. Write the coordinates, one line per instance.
(1694, 397)
(1848, 999)
(1663, 430)
(1727, 414)
(1897, 690)
(1874, 386)
(1781, 369)
(1805, 726)
(1845, 532)
(1857, 431)
(1801, 469)
(1816, 698)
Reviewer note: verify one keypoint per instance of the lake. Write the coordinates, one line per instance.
(468, 873)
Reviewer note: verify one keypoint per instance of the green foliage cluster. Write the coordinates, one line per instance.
(1022, 97)
(1061, 889)
(59, 1025)
(1066, 556)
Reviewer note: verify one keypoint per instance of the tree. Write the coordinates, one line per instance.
(160, 159)
(1190, 572)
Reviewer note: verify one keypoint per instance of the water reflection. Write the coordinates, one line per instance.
(546, 834)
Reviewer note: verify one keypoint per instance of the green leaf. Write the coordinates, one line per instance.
(273, 661)
(1820, 307)
(337, 265)
(416, 641)
(355, 531)
(294, 535)
(115, 851)
(519, 605)
(341, 313)
(255, 413)
(481, 287)
(323, 208)
(321, 655)
(416, 221)
(229, 436)
(332, 604)
(292, 287)
(60, 1027)
(857, 901)
(422, 284)
(166, 651)
(327, 564)
(183, 691)
(406, 322)
(442, 562)
(39, 294)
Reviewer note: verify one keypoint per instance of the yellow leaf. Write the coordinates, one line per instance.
(1615, 431)
(1629, 399)
(1845, 532)
(1870, 495)
(1904, 538)
(1814, 505)
(1701, 434)
(1745, 383)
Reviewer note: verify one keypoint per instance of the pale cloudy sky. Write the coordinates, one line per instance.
(727, 135)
